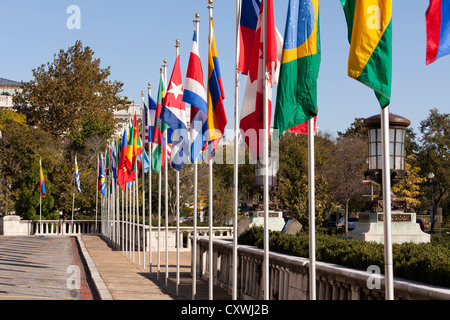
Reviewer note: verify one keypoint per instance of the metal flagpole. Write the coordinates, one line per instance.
(96, 196)
(166, 208)
(163, 71)
(194, 252)
(177, 238)
(210, 282)
(150, 146)
(40, 198)
(142, 134)
(236, 155)
(389, 273)
(266, 161)
(312, 212)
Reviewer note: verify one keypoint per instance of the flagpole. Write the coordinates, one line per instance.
(312, 211)
(150, 146)
(162, 71)
(266, 160)
(40, 197)
(236, 155)
(177, 47)
(210, 282)
(389, 277)
(166, 174)
(96, 196)
(143, 176)
(194, 253)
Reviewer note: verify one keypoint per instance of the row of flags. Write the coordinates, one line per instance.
(292, 63)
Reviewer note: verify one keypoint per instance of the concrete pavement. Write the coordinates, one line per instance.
(42, 268)
(120, 277)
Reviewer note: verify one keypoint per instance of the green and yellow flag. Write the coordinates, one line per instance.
(369, 25)
(297, 85)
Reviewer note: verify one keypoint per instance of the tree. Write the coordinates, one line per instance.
(346, 172)
(293, 175)
(433, 154)
(71, 97)
(409, 189)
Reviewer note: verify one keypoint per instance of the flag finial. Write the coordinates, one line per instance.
(197, 16)
(210, 2)
(149, 85)
(177, 43)
(142, 93)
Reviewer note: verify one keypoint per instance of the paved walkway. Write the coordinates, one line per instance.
(42, 268)
(120, 277)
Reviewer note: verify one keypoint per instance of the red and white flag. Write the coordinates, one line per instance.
(252, 114)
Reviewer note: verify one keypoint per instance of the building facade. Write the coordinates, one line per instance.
(7, 89)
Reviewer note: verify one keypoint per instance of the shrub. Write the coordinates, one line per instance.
(423, 262)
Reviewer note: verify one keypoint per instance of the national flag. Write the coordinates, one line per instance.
(134, 148)
(438, 29)
(122, 174)
(370, 35)
(114, 161)
(145, 125)
(252, 113)
(195, 95)
(151, 118)
(101, 176)
(173, 113)
(216, 117)
(41, 180)
(77, 176)
(137, 145)
(297, 86)
(158, 147)
(247, 27)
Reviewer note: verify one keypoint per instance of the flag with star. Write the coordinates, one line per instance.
(173, 113)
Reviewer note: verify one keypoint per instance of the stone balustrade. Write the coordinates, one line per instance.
(289, 277)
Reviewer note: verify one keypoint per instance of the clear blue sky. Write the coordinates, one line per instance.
(135, 36)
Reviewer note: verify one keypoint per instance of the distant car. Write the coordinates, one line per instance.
(351, 223)
(420, 222)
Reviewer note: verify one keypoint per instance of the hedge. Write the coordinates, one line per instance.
(423, 262)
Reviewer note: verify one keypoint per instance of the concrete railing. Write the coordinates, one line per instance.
(126, 235)
(14, 226)
(289, 277)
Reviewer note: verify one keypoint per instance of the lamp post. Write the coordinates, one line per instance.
(431, 181)
(397, 134)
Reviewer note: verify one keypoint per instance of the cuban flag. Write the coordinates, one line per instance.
(173, 114)
(195, 95)
(438, 30)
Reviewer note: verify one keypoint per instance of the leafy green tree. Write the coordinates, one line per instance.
(433, 155)
(71, 97)
(293, 175)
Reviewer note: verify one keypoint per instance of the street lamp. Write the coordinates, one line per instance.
(397, 135)
(431, 181)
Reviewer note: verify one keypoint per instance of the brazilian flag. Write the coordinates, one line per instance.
(297, 85)
(369, 25)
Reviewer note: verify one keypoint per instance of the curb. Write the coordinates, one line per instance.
(100, 286)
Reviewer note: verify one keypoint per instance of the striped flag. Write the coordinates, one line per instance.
(151, 118)
(195, 95)
(247, 29)
(158, 149)
(102, 177)
(122, 175)
(438, 30)
(41, 180)
(252, 113)
(216, 117)
(77, 176)
(370, 35)
(174, 114)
